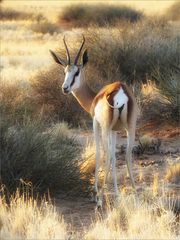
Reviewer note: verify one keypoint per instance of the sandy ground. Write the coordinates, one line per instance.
(80, 212)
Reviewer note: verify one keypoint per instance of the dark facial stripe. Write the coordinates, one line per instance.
(75, 75)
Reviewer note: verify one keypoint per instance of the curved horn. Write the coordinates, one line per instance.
(78, 54)
(67, 51)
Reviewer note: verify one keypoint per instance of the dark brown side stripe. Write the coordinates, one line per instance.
(108, 91)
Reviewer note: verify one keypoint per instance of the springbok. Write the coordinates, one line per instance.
(112, 108)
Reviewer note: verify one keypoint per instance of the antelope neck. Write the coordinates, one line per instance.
(84, 95)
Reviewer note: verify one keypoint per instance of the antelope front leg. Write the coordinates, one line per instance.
(96, 129)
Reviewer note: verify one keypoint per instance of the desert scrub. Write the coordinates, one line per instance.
(132, 51)
(173, 12)
(42, 25)
(87, 14)
(11, 14)
(44, 157)
(16, 101)
(27, 218)
(169, 87)
(46, 86)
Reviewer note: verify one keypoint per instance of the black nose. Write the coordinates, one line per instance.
(65, 89)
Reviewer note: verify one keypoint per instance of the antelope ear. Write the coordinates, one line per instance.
(85, 57)
(57, 59)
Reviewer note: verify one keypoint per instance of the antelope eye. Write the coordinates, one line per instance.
(77, 73)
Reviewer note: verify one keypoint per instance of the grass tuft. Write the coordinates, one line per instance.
(168, 84)
(173, 174)
(27, 218)
(135, 219)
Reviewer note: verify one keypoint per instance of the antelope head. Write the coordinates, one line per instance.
(73, 71)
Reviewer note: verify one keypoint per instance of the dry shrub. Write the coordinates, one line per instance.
(173, 174)
(132, 51)
(84, 15)
(173, 12)
(26, 218)
(44, 26)
(16, 101)
(11, 14)
(48, 94)
(149, 144)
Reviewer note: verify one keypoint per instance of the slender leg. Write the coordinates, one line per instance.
(113, 153)
(130, 142)
(106, 141)
(96, 129)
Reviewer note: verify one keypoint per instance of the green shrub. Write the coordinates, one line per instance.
(168, 83)
(47, 159)
(83, 15)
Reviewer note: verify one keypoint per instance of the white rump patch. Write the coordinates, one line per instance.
(120, 98)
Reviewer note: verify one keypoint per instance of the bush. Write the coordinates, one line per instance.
(168, 84)
(47, 159)
(173, 12)
(84, 15)
(44, 26)
(11, 14)
(16, 102)
(47, 89)
(131, 52)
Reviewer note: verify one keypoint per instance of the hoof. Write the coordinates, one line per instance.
(94, 199)
(99, 205)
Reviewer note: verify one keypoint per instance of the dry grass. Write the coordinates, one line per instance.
(136, 219)
(88, 155)
(173, 12)
(173, 174)
(26, 218)
(144, 218)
